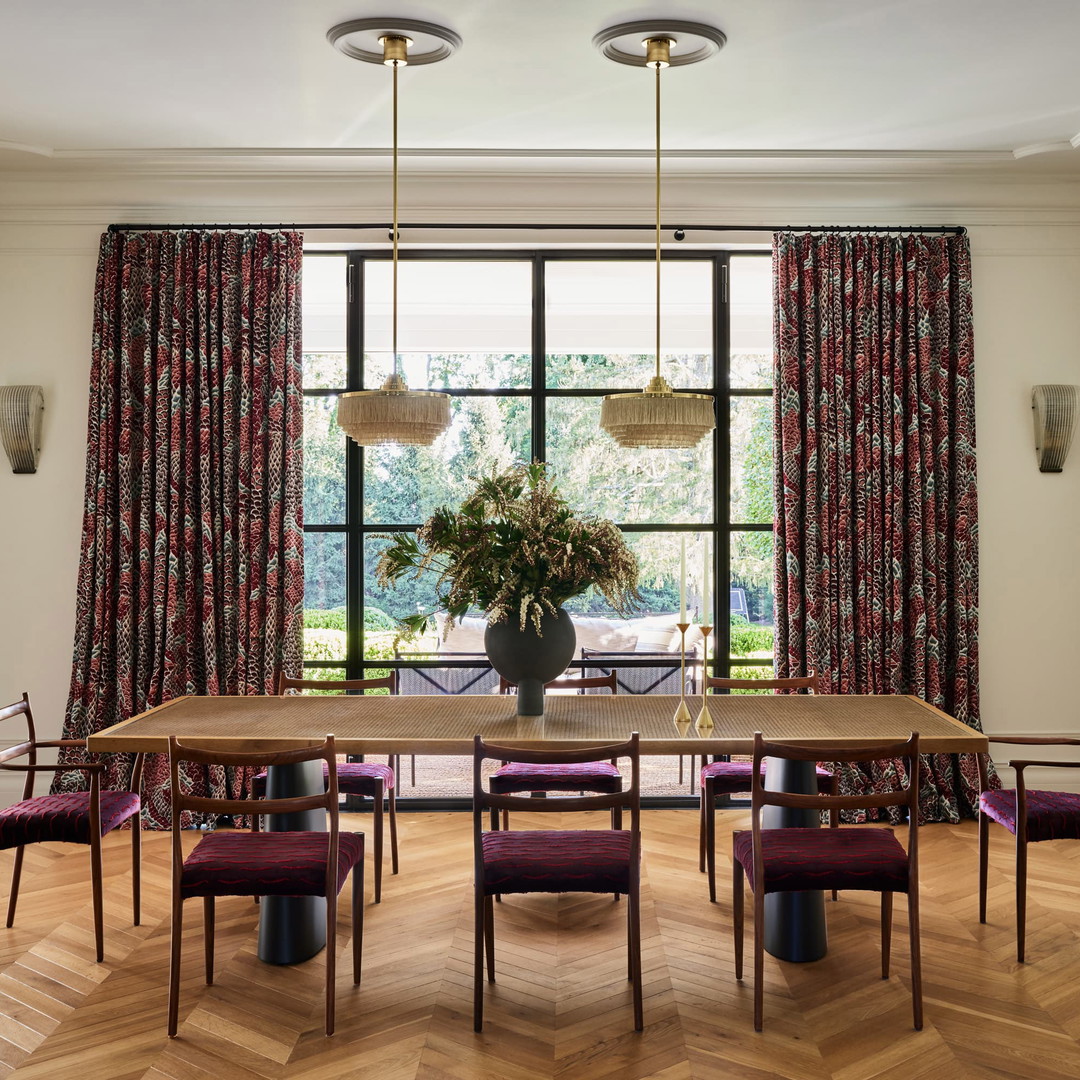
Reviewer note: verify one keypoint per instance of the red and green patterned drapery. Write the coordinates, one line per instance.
(191, 574)
(877, 552)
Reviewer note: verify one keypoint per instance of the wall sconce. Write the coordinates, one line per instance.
(1053, 408)
(20, 425)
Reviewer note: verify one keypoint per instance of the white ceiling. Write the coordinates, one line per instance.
(797, 78)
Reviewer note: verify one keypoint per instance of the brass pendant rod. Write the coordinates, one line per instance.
(658, 66)
(394, 227)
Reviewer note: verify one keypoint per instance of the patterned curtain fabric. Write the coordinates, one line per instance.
(191, 574)
(876, 533)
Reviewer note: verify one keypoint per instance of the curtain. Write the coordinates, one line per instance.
(191, 570)
(877, 528)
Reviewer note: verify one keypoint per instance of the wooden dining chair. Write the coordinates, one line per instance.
(723, 778)
(598, 776)
(363, 779)
(231, 862)
(77, 817)
(555, 861)
(1030, 815)
(861, 857)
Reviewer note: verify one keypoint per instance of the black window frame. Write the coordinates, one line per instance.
(356, 530)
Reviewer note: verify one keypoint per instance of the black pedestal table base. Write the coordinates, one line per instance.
(794, 921)
(293, 928)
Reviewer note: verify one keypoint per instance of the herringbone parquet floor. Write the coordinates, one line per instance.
(561, 1007)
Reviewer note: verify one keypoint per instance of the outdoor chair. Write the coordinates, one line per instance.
(231, 862)
(76, 817)
(723, 778)
(1030, 815)
(861, 857)
(555, 861)
(361, 779)
(599, 776)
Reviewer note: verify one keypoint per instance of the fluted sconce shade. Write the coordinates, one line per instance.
(1053, 408)
(20, 425)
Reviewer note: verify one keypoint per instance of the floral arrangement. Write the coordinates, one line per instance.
(515, 550)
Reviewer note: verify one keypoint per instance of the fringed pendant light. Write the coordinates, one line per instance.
(394, 413)
(658, 417)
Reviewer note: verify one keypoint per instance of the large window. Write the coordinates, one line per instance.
(527, 344)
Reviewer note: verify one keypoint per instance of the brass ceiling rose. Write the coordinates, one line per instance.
(361, 39)
(658, 417)
(693, 41)
(394, 413)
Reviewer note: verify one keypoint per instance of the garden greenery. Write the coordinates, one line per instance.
(515, 550)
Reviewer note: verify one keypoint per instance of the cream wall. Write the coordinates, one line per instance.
(1025, 238)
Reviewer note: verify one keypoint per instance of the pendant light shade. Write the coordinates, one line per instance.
(394, 413)
(658, 417)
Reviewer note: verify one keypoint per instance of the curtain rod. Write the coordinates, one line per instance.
(679, 230)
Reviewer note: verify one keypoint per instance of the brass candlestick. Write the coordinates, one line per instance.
(682, 713)
(704, 720)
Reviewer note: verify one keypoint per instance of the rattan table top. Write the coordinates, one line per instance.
(446, 724)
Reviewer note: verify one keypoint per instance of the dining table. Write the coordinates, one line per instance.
(290, 928)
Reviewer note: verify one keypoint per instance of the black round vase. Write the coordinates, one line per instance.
(528, 659)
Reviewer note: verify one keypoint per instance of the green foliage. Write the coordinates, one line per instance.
(513, 549)
(748, 639)
(324, 645)
(328, 619)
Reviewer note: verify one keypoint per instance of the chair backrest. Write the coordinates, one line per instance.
(629, 798)
(908, 796)
(327, 799)
(599, 682)
(341, 686)
(808, 682)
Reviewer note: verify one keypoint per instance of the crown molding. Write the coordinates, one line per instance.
(453, 161)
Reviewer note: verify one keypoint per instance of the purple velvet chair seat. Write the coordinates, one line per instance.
(1051, 815)
(354, 778)
(869, 859)
(64, 817)
(733, 777)
(598, 776)
(234, 863)
(552, 861)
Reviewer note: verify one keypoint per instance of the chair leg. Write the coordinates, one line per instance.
(175, 937)
(15, 876)
(377, 828)
(136, 869)
(634, 947)
(478, 960)
(392, 801)
(709, 802)
(886, 932)
(489, 936)
(358, 914)
(916, 958)
(701, 833)
(95, 886)
(331, 959)
(984, 862)
(737, 902)
(412, 765)
(1021, 898)
(759, 958)
(208, 937)
(834, 814)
